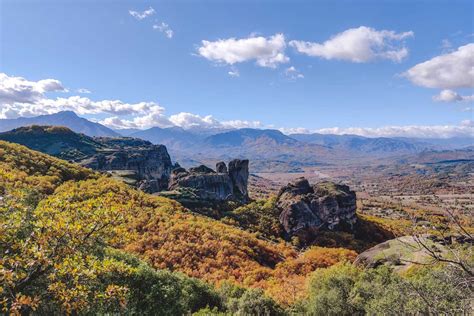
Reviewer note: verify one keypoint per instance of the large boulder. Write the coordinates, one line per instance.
(219, 185)
(151, 165)
(306, 209)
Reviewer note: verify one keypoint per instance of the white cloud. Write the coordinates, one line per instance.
(430, 131)
(83, 91)
(292, 73)
(80, 105)
(18, 89)
(155, 117)
(295, 130)
(468, 123)
(266, 51)
(359, 45)
(452, 96)
(21, 97)
(143, 14)
(189, 120)
(448, 71)
(241, 124)
(234, 72)
(165, 29)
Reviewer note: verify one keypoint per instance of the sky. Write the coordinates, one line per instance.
(374, 68)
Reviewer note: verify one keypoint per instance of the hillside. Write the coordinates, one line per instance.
(80, 242)
(135, 161)
(54, 140)
(155, 228)
(67, 119)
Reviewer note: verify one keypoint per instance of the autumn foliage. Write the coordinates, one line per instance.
(58, 221)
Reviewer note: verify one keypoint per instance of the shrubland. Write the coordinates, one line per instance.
(75, 242)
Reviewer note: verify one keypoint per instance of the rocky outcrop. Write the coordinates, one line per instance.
(151, 165)
(306, 209)
(239, 175)
(220, 185)
(221, 167)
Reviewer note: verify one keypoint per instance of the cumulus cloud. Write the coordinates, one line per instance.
(266, 51)
(140, 15)
(165, 29)
(194, 121)
(80, 105)
(154, 117)
(359, 45)
(20, 97)
(292, 73)
(448, 71)
(18, 89)
(431, 131)
(452, 96)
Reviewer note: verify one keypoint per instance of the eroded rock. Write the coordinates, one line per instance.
(306, 209)
(151, 165)
(239, 174)
(208, 184)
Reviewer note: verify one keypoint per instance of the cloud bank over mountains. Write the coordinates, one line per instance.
(465, 129)
(22, 97)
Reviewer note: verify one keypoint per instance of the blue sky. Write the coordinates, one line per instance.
(359, 80)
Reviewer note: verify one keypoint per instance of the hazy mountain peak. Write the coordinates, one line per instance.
(64, 118)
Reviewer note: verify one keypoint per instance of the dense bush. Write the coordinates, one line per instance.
(260, 217)
(344, 289)
(240, 301)
(160, 292)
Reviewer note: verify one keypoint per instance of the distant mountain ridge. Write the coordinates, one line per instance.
(378, 145)
(267, 149)
(67, 119)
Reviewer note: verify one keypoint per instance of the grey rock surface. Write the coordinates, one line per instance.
(306, 209)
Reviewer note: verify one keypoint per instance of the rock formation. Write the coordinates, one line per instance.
(306, 209)
(220, 185)
(239, 174)
(221, 167)
(151, 165)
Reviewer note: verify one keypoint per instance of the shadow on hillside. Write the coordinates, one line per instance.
(365, 235)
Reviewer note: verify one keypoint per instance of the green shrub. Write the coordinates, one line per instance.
(241, 301)
(160, 292)
(344, 289)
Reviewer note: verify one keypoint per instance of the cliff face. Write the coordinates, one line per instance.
(151, 165)
(306, 209)
(225, 184)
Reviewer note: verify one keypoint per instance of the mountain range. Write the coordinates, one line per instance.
(67, 119)
(268, 149)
